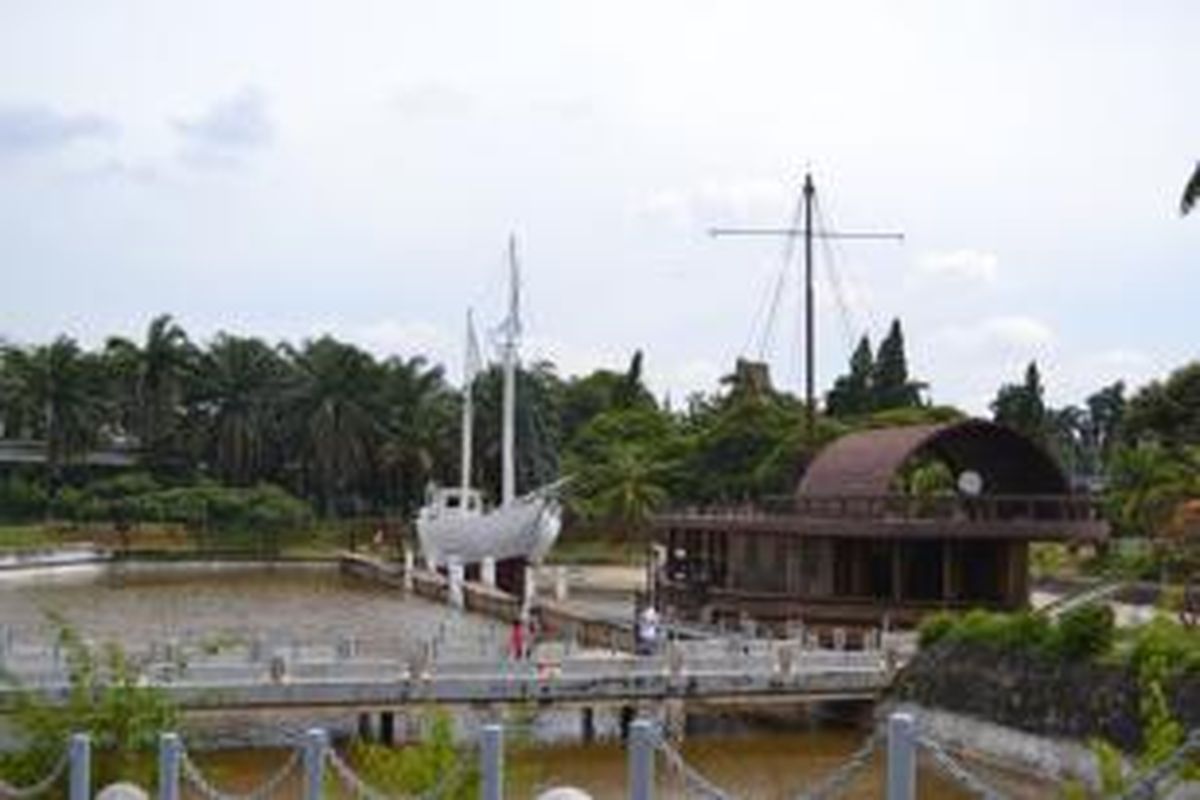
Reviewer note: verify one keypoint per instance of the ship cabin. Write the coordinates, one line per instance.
(862, 544)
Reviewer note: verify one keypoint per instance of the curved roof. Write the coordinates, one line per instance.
(866, 462)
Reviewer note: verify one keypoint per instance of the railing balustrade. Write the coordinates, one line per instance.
(983, 508)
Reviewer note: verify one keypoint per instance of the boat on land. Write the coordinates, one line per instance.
(456, 525)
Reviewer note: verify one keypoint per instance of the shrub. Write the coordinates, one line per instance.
(1086, 632)
(1163, 640)
(935, 627)
(22, 499)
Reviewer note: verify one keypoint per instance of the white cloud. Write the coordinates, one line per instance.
(36, 127)
(717, 203)
(969, 266)
(999, 334)
(433, 100)
(228, 130)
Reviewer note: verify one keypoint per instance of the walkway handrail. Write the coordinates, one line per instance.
(838, 780)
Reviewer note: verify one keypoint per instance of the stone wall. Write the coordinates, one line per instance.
(1077, 700)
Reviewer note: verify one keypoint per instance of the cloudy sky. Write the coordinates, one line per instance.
(293, 168)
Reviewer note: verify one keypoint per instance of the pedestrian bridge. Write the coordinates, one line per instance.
(686, 671)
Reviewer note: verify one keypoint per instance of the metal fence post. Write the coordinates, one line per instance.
(81, 767)
(901, 757)
(314, 763)
(641, 759)
(169, 751)
(492, 755)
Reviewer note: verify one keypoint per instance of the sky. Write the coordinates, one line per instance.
(288, 169)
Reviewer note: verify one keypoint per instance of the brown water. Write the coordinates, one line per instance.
(136, 605)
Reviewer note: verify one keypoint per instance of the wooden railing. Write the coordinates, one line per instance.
(984, 508)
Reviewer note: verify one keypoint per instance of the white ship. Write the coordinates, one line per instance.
(454, 525)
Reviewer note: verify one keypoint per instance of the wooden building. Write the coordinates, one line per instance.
(850, 549)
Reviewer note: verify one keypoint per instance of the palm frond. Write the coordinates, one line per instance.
(1191, 193)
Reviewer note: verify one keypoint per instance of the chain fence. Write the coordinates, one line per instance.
(10, 792)
(957, 772)
(447, 782)
(695, 783)
(838, 781)
(1146, 786)
(264, 791)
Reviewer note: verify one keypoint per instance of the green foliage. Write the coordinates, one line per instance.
(1021, 406)
(106, 699)
(1167, 411)
(1146, 483)
(1163, 641)
(1110, 764)
(1086, 632)
(875, 383)
(935, 627)
(1083, 634)
(416, 769)
(22, 499)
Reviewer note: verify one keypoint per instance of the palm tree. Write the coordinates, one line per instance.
(239, 387)
(626, 487)
(153, 379)
(421, 428)
(55, 392)
(335, 416)
(1191, 192)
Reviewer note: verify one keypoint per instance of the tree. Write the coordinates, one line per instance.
(890, 385)
(152, 380)
(538, 432)
(241, 385)
(1147, 482)
(56, 393)
(1166, 411)
(851, 394)
(421, 439)
(1191, 192)
(335, 416)
(1021, 406)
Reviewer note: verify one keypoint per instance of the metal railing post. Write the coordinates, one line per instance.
(491, 753)
(81, 767)
(641, 759)
(901, 757)
(314, 763)
(170, 749)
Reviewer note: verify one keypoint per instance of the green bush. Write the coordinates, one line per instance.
(22, 499)
(935, 627)
(1086, 632)
(1165, 641)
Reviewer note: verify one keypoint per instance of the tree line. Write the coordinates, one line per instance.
(352, 434)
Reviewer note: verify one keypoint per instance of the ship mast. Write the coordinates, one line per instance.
(511, 331)
(809, 195)
(470, 368)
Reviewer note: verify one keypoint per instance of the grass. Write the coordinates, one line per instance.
(173, 541)
(590, 546)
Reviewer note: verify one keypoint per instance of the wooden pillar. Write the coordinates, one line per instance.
(947, 576)
(588, 722)
(387, 728)
(897, 570)
(364, 726)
